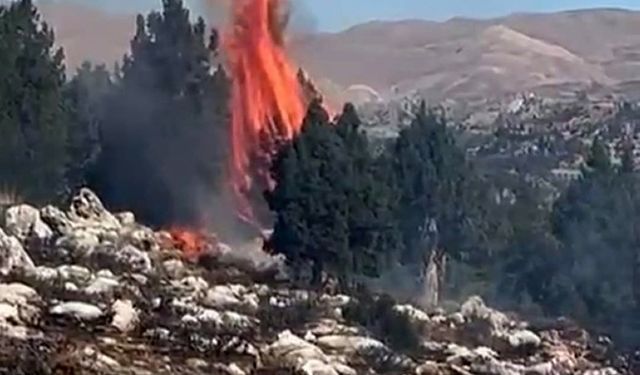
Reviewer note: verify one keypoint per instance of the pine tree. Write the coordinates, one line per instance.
(436, 185)
(595, 221)
(165, 126)
(333, 210)
(32, 113)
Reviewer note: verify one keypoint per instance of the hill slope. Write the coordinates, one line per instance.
(460, 58)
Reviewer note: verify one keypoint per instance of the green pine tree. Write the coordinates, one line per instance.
(33, 119)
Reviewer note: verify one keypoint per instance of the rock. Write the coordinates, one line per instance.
(191, 285)
(235, 370)
(94, 361)
(483, 365)
(126, 317)
(24, 222)
(459, 355)
(142, 238)
(79, 310)
(310, 337)
(87, 208)
(42, 275)
(292, 351)
(134, 259)
(428, 368)
(79, 243)
(74, 273)
(13, 257)
(126, 218)
(351, 345)
(523, 339)
(475, 309)
(20, 304)
(56, 220)
(317, 367)
(174, 268)
(327, 327)
(231, 297)
(197, 363)
(19, 309)
(416, 316)
(602, 371)
(102, 286)
(336, 301)
(545, 368)
(502, 331)
(457, 318)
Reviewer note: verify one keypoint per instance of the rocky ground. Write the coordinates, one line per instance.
(85, 291)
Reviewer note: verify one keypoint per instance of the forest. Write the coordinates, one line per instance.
(150, 136)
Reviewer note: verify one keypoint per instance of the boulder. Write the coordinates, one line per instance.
(136, 260)
(475, 309)
(78, 310)
(24, 223)
(20, 304)
(87, 209)
(415, 315)
(102, 285)
(76, 274)
(351, 345)
(13, 257)
(56, 220)
(174, 268)
(126, 218)
(78, 243)
(428, 368)
(125, 317)
(522, 338)
(292, 351)
(231, 297)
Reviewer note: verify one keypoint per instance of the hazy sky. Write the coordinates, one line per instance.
(332, 15)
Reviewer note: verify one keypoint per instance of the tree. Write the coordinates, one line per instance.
(164, 129)
(332, 209)
(310, 200)
(596, 222)
(32, 115)
(437, 185)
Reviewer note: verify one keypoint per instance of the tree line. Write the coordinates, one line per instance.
(156, 125)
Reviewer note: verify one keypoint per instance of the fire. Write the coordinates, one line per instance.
(191, 243)
(267, 104)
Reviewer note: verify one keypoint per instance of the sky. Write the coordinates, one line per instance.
(336, 15)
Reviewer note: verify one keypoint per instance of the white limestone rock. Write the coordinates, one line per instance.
(78, 310)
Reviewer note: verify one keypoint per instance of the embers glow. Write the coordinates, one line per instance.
(267, 104)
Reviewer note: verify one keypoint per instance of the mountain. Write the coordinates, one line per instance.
(461, 58)
(86, 33)
(476, 58)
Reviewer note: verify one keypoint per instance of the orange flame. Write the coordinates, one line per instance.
(266, 98)
(191, 243)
